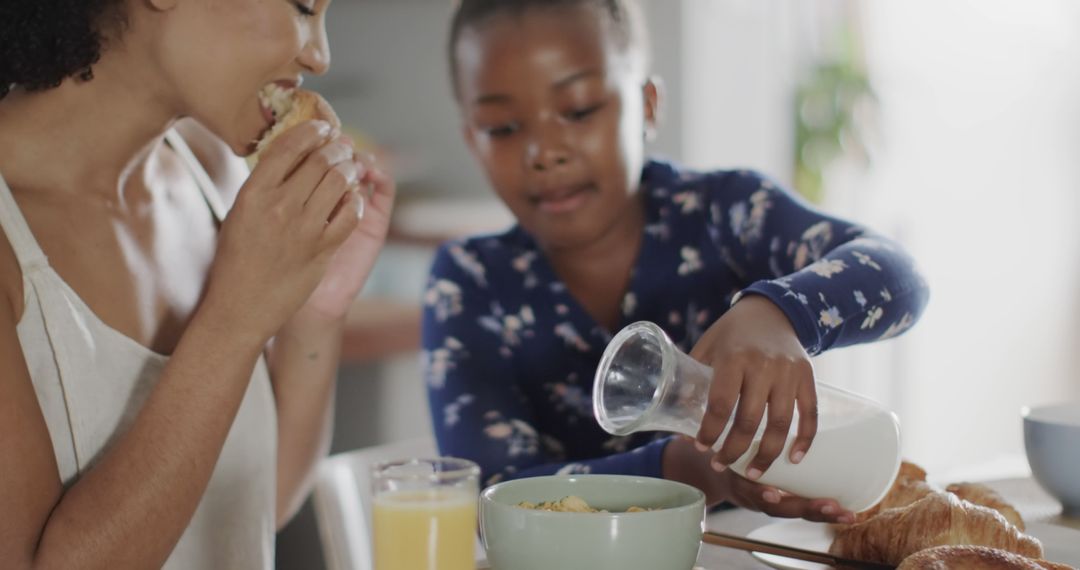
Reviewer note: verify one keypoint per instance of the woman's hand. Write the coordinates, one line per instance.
(683, 462)
(352, 262)
(757, 362)
(294, 212)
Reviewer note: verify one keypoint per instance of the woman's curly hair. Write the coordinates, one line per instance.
(43, 42)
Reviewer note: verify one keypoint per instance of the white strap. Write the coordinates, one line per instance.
(26, 247)
(202, 179)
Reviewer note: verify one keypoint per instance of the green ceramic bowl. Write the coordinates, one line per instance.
(667, 538)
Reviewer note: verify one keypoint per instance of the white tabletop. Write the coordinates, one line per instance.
(1033, 504)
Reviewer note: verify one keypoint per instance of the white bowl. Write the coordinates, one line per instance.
(1052, 443)
(666, 538)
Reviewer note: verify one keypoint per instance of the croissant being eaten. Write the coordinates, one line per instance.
(935, 519)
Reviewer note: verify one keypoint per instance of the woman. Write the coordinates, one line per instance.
(168, 371)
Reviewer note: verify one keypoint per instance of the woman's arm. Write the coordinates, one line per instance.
(273, 251)
(147, 485)
(303, 357)
(303, 361)
(305, 353)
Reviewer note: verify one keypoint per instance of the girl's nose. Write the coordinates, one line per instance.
(548, 159)
(547, 151)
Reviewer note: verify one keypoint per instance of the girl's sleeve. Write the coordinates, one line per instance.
(839, 283)
(477, 409)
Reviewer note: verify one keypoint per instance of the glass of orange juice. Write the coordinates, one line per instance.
(424, 515)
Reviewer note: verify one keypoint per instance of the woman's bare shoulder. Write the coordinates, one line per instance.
(226, 170)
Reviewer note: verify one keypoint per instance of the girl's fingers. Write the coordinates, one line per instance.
(777, 503)
(780, 409)
(806, 403)
(748, 416)
(723, 396)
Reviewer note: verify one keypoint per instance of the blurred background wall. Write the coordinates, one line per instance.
(950, 125)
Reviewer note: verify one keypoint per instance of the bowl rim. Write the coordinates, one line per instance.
(1050, 414)
(696, 504)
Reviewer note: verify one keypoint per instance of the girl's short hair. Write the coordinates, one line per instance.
(47, 41)
(624, 18)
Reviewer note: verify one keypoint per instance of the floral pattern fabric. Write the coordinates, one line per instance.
(509, 354)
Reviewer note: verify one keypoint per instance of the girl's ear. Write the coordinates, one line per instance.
(652, 96)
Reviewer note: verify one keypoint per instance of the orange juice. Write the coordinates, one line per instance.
(433, 529)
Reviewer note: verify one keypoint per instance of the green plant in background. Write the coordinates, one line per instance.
(830, 109)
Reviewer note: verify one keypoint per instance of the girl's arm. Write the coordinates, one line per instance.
(811, 282)
(477, 409)
(838, 283)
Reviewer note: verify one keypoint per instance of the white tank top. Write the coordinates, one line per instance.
(91, 380)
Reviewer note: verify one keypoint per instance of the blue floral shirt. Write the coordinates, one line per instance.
(509, 354)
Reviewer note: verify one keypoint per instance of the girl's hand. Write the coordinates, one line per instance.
(352, 262)
(682, 462)
(757, 360)
(776, 503)
(292, 214)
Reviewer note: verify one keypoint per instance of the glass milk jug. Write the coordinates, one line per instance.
(645, 383)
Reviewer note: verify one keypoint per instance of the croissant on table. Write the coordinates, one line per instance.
(935, 519)
(903, 493)
(909, 470)
(967, 557)
(987, 497)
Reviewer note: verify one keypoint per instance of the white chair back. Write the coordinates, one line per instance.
(342, 500)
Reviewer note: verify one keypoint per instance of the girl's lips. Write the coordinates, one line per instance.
(562, 203)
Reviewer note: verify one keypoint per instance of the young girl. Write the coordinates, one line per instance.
(739, 272)
(167, 372)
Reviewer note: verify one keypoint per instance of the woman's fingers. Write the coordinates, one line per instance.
(311, 172)
(288, 151)
(376, 186)
(343, 221)
(341, 179)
